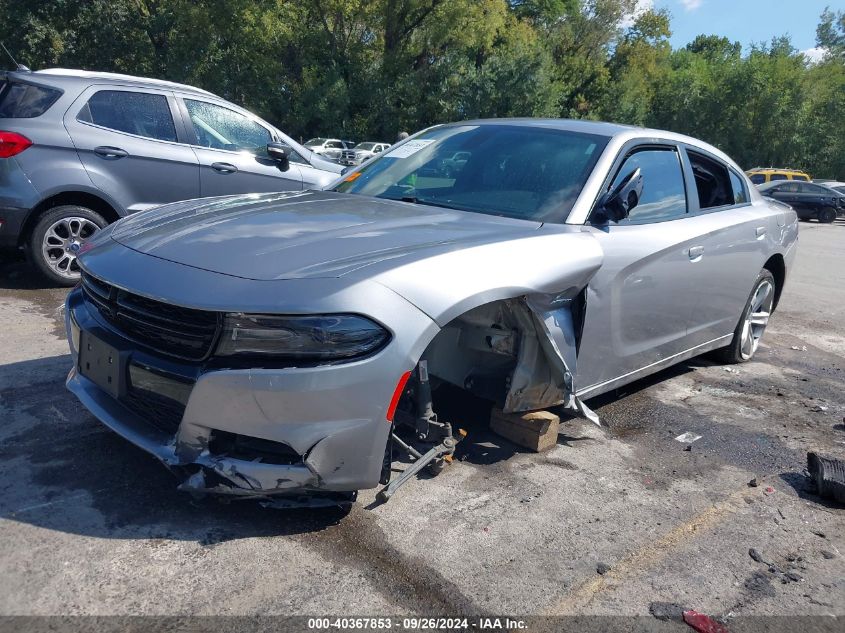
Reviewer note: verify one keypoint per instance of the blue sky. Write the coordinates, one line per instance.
(745, 21)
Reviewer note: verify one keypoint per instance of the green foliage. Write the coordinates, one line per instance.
(368, 69)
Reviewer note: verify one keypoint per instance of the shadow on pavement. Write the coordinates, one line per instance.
(63, 470)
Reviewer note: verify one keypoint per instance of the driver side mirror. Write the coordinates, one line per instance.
(279, 152)
(617, 204)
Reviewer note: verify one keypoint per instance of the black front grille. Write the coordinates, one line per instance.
(160, 411)
(163, 327)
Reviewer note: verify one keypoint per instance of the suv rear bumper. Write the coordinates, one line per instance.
(17, 197)
(11, 223)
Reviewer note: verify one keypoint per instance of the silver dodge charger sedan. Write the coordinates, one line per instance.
(284, 345)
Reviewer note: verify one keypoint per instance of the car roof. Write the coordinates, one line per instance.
(67, 76)
(572, 125)
(610, 130)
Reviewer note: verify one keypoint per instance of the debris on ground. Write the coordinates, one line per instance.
(769, 490)
(753, 553)
(818, 408)
(703, 623)
(829, 476)
(666, 611)
(826, 553)
(688, 448)
(731, 370)
(791, 575)
(803, 348)
(531, 498)
(687, 438)
(602, 568)
(753, 483)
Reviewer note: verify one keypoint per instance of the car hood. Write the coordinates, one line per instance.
(304, 234)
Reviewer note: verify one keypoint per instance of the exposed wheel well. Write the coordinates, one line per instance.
(68, 197)
(777, 267)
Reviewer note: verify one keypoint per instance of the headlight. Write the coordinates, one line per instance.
(322, 336)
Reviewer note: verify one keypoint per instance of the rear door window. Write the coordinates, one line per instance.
(664, 196)
(712, 181)
(26, 101)
(799, 177)
(777, 177)
(139, 113)
(757, 179)
(813, 189)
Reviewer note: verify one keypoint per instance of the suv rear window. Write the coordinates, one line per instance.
(139, 113)
(26, 101)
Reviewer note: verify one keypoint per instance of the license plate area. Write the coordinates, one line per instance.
(103, 364)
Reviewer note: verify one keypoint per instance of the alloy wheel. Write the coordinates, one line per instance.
(62, 242)
(757, 318)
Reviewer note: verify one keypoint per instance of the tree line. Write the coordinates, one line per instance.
(367, 69)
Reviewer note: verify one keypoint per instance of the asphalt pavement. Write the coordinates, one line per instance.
(91, 525)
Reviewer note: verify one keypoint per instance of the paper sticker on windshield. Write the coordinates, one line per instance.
(410, 148)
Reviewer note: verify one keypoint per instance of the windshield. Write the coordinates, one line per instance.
(315, 141)
(365, 146)
(516, 171)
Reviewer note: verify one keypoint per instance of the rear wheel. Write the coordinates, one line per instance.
(827, 215)
(57, 238)
(754, 320)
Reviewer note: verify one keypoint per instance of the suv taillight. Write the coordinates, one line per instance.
(12, 144)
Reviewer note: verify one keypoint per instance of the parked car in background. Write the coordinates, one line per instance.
(810, 200)
(330, 148)
(759, 175)
(362, 152)
(836, 185)
(272, 346)
(80, 149)
(451, 165)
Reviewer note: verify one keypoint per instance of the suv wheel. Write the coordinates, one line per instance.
(57, 238)
(827, 215)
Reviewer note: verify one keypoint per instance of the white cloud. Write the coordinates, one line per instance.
(641, 7)
(814, 55)
(691, 5)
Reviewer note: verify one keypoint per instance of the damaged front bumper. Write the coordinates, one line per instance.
(264, 433)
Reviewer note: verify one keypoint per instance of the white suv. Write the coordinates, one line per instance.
(326, 147)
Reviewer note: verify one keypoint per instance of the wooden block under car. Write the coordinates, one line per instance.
(535, 430)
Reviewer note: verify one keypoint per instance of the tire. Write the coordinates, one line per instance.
(56, 239)
(827, 215)
(750, 329)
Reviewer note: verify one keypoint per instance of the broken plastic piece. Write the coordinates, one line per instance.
(687, 438)
(703, 623)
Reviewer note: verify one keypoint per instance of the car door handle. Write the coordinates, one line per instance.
(224, 168)
(113, 153)
(761, 231)
(696, 252)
